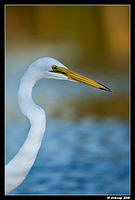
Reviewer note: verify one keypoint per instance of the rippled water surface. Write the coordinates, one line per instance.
(84, 157)
(85, 149)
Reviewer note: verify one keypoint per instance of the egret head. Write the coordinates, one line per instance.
(52, 68)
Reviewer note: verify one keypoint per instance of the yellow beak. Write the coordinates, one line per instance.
(81, 79)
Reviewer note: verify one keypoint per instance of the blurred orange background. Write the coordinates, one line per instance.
(92, 40)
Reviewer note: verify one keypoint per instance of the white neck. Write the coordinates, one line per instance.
(19, 166)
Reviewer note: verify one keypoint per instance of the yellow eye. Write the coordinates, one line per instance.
(54, 68)
(57, 70)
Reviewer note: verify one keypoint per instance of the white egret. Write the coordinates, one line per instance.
(18, 168)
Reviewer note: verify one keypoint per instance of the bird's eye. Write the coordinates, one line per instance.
(54, 67)
(56, 70)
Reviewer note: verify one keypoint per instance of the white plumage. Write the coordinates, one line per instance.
(18, 168)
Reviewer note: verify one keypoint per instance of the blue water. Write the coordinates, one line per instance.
(84, 157)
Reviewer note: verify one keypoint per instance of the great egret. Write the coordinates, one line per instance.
(18, 168)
